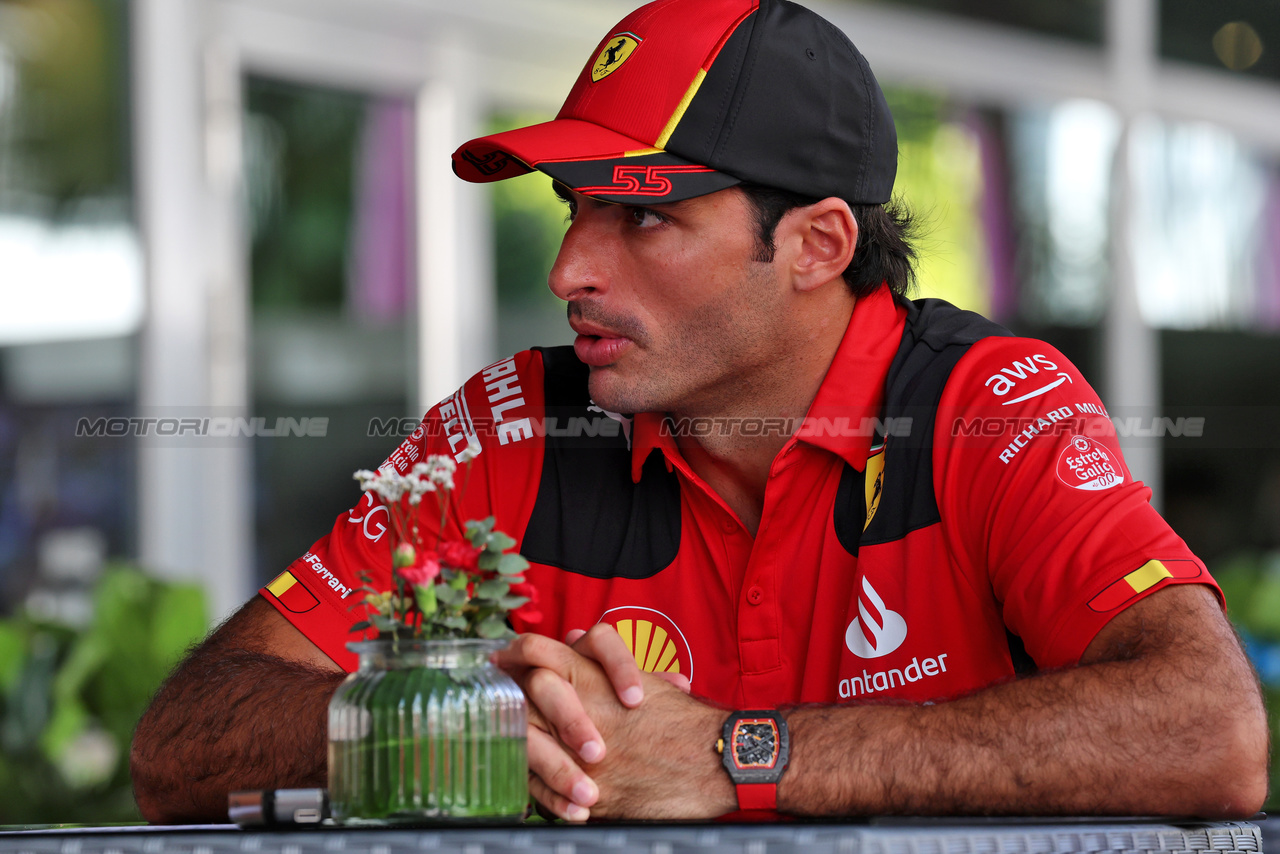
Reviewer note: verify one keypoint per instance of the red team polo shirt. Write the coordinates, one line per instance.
(1040, 533)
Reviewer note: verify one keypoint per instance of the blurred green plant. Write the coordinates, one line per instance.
(64, 129)
(529, 223)
(1250, 582)
(70, 698)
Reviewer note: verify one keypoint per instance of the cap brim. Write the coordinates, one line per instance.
(589, 159)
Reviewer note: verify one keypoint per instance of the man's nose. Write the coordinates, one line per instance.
(579, 270)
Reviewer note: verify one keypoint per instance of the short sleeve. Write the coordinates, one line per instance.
(499, 408)
(1039, 504)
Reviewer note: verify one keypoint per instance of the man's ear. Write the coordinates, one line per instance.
(823, 237)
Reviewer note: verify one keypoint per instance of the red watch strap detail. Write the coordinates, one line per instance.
(757, 796)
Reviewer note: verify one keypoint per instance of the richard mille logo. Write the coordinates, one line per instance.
(876, 631)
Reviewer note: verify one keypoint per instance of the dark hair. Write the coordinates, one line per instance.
(883, 254)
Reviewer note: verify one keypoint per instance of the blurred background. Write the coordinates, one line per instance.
(235, 266)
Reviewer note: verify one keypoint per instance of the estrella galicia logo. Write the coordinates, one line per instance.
(617, 50)
(876, 631)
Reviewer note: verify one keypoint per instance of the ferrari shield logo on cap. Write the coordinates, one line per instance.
(617, 50)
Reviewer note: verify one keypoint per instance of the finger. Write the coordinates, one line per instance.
(572, 637)
(566, 789)
(561, 708)
(677, 679)
(554, 805)
(529, 651)
(605, 645)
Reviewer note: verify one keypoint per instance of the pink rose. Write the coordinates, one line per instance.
(424, 569)
(459, 555)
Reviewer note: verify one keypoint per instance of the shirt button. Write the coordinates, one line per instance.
(755, 595)
(730, 526)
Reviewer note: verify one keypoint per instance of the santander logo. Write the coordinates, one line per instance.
(876, 631)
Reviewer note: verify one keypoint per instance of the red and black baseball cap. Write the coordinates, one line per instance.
(687, 97)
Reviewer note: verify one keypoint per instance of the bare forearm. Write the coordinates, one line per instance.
(1166, 734)
(235, 715)
(241, 721)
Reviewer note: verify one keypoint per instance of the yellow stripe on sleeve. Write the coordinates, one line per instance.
(281, 585)
(1147, 575)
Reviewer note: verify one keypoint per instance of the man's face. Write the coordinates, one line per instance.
(673, 312)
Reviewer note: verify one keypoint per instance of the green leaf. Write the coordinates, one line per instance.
(180, 619)
(450, 595)
(510, 603)
(512, 564)
(499, 541)
(13, 648)
(453, 621)
(363, 625)
(459, 581)
(383, 623)
(488, 561)
(69, 719)
(494, 627)
(478, 531)
(495, 588)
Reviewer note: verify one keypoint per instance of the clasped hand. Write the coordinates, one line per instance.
(608, 740)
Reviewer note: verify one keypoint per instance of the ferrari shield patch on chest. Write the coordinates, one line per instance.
(617, 50)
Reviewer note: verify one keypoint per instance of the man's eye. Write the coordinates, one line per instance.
(646, 217)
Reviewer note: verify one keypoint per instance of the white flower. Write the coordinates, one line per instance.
(440, 469)
(388, 485)
(470, 452)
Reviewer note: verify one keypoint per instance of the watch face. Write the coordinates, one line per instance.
(755, 743)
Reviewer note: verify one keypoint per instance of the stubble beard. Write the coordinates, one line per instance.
(708, 367)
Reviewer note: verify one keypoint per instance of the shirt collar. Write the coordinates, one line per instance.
(847, 404)
(844, 412)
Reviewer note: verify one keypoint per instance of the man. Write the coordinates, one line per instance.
(833, 521)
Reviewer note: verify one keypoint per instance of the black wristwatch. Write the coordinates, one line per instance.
(755, 748)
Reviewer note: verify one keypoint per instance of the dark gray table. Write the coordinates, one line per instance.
(876, 836)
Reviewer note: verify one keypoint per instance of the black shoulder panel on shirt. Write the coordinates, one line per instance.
(589, 517)
(936, 336)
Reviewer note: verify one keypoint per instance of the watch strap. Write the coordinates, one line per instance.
(756, 787)
(757, 796)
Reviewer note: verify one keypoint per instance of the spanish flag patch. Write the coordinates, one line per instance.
(1141, 580)
(292, 595)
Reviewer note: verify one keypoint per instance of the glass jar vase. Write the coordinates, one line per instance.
(427, 731)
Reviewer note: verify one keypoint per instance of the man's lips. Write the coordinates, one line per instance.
(599, 350)
(602, 339)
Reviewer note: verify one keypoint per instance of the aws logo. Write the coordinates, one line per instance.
(1003, 382)
(617, 50)
(653, 638)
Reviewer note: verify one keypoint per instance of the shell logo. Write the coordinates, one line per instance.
(653, 638)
